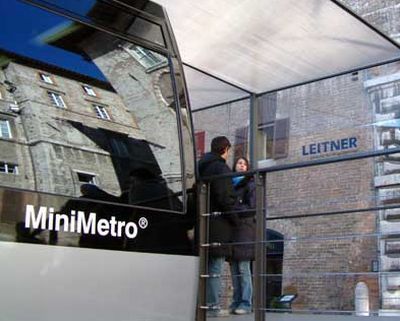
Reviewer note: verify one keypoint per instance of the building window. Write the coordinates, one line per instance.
(8, 168)
(46, 78)
(89, 90)
(5, 129)
(147, 58)
(86, 178)
(56, 99)
(276, 138)
(101, 112)
(275, 131)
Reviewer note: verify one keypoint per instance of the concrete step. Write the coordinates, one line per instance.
(392, 214)
(390, 300)
(385, 116)
(391, 228)
(389, 195)
(390, 283)
(387, 180)
(389, 167)
(390, 136)
(393, 158)
(390, 104)
(389, 263)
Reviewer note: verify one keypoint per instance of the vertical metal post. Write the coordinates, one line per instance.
(253, 130)
(260, 262)
(203, 251)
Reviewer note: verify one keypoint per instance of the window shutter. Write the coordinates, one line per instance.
(241, 142)
(281, 138)
(267, 109)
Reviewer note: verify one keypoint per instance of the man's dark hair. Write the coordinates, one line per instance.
(219, 144)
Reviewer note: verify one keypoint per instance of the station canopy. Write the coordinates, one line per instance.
(266, 45)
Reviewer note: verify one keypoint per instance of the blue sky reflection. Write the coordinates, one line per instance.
(25, 27)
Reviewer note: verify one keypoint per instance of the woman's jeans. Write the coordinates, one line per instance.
(215, 266)
(242, 285)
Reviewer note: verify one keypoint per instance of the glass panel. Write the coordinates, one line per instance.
(205, 91)
(339, 236)
(280, 44)
(135, 157)
(230, 120)
(146, 30)
(100, 12)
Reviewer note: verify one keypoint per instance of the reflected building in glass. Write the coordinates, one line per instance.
(61, 129)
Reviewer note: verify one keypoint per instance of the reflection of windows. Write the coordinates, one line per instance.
(241, 142)
(56, 99)
(275, 131)
(89, 90)
(276, 138)
(85, 178)
(101, 112)
(147, 58)
(8, 168)
(5, 130)
(119, 147)
(46, 78)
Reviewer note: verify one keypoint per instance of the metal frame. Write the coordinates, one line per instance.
(221, 104)
(260, 253)
(202, 192)
(80, 19)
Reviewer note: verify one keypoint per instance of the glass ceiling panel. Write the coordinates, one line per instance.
(205, 91)
(266, 45)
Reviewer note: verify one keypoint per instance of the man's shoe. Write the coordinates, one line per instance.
(241, 311)
(218, 313)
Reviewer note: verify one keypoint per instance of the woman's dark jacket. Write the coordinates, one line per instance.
(222, 199)
(245, 231)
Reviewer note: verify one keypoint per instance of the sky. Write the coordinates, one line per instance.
(24, 26)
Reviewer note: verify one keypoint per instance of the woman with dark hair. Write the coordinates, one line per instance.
(243, 254)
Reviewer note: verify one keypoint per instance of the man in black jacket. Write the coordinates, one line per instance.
(222, 199)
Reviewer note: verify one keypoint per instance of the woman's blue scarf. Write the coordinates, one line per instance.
(236, 180)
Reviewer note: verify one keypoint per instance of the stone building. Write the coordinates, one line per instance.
(325, 257)
(61, 129)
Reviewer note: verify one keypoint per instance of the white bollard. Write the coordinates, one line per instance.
(361, 298)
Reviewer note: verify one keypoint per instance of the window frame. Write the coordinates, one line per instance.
(146, 57)
(7, 166)
(271, 146)
(93, 176)
(46, 78)
(101, 111)
(8, 126)
(54, 101)
(88, 90)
